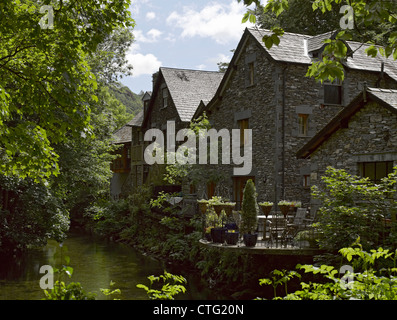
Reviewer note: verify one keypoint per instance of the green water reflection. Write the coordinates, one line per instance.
(95, 262)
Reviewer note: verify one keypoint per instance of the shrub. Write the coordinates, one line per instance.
(354, 207)
(250, 209)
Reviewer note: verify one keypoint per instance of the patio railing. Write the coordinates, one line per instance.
(273, 231)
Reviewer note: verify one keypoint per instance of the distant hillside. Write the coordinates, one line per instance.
(132, 101)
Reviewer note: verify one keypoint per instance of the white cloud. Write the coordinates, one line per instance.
(144, 64)
(220, 58)
(151, 36)
(201, 67)
(150, 15)
(220, 22)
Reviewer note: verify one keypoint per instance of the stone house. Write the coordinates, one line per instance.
(361, 139)
(121, 166)
(172, 104)
(267, 91)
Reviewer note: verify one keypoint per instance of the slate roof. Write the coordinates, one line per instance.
(315, 43)
(291, 48)
(388, 96)
(384, 97)
(295, 48)
(124, 135)
(189, 87)
(137, 121)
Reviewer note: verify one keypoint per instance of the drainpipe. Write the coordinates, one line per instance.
(283, 134)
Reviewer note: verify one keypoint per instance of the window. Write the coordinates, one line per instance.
(165, 97)
(306, 181)
(303, 124)
(211, 189)
(333, 93)
(251, 70)
(243, 124)
(375, 171)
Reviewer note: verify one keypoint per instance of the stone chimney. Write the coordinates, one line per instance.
(154, 77)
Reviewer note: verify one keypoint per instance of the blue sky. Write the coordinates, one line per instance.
(183, 34)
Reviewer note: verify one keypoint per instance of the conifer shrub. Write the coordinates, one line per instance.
(250, 208)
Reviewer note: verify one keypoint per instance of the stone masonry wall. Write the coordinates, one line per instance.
(370, 136)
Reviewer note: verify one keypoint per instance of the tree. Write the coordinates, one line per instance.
(355, 208)
(46, 85)
(62, 165)
(365, 18)
(299, 18)
(29, 214)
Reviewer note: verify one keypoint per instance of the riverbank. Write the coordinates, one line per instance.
(219, 273)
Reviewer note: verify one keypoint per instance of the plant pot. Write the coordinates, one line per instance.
(208, 236)
(284, 210)
(231, 226)
(266, 210)
(232, 238)
(218, 235)
(250, 239)
(218, 208)
(228, 209)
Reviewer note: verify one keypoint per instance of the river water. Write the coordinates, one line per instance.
(95, 264)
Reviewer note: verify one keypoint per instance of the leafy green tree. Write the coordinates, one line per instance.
(355, 208)
(374, 22)
(30, 213)
(299, 18)
(46, 85)
(196, 174)
(54, 82)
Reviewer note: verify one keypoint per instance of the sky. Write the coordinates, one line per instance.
(183, 34)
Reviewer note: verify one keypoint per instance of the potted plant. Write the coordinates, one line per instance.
(208, 233)
(228, 207)
(295, 205)
(216, 222)
(266, 207)
(217, 203)
(218, 234)
(203, 205)
(249, 214)
(285, 206)
(232, 236)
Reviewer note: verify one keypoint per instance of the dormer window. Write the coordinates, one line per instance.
(333, 93)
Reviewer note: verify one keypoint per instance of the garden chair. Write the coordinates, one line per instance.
(277, 228)
(300, 223)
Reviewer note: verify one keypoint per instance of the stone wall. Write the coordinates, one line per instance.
(369, 137)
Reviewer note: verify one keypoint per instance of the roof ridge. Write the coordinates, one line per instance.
(288, 33)
(382, 90)
(194, 70)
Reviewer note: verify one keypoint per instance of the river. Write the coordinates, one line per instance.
(95, 264)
